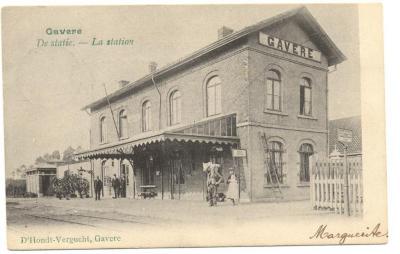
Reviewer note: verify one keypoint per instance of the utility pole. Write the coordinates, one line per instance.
(112, 114)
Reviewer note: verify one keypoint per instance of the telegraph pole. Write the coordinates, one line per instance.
(112, 113)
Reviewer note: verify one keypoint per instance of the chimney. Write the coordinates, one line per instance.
(224, 31)
(152, 67)
(123, 83)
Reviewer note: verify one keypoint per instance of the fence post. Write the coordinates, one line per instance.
(312, 181)
(336, 184)
(346, 183)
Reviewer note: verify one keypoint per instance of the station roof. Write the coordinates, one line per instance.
(116, 150)
(185, 133)
(301, 15)
(42, 166)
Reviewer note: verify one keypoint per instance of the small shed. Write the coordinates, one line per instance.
(39, 178)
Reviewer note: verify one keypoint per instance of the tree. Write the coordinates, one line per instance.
(19, 172)
(78, 149)
(56, 155)
(47, 157)
(68, 154)
(40, 159)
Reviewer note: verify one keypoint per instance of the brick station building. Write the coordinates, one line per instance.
(266, 79)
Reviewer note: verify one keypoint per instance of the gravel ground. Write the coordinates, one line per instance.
(157, 223)
(90, 213)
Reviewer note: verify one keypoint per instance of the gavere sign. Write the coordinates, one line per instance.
(289, 47)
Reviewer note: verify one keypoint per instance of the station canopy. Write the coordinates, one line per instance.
(221, 130)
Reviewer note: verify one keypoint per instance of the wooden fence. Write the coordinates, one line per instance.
(328, 185)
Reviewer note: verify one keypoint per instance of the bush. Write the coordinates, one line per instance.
(69, 185)
(15, 188)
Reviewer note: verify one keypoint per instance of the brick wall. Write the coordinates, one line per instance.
(230, 66)
(242, 68)
(286, 126)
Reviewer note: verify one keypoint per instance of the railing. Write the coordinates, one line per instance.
(328, 185)
(223, 126)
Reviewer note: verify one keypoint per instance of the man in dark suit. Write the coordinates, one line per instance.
(98, 187)
(116, 186)
(123, 187)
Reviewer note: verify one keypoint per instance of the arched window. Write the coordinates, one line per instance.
(273, 98)
(305, 97)
(306, 150)
(175, 107)
(146, 116)
(123, 124)
(275, 162)
(213, 96)
(103, 130)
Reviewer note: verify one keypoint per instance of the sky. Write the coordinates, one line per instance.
(46, 87)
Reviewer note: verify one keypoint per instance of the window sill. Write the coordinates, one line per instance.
(280, 113)
(307, 117)
(305, 184)
(122, 138)
(103, 143)
(269, 186)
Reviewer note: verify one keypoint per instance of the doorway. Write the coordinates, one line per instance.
(124, 178)
(46, 187)
(148, 171)
(177, 174)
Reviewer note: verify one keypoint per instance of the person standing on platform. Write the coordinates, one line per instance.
(214, 178)
(233, 187)
(123, 187)
(98, 187)
(116, 186)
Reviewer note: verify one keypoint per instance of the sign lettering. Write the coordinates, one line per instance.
(238, 153)
(289, 47)
(345, 136)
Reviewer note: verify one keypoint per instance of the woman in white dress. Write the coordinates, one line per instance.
(233, 187)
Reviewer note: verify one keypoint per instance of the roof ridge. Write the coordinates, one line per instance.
(208, 48)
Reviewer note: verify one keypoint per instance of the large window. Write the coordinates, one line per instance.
(123, 124)
(305, 97)
(214, 96)
(103, 130)
(146, 116)
(273, 98)
(306, 150)
(175, 107)
(275, 164)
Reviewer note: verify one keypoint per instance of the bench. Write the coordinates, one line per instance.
(148, 191)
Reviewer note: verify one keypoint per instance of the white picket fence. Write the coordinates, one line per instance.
(328, 185)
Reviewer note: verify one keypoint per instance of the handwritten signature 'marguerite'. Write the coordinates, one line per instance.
(323, 233)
